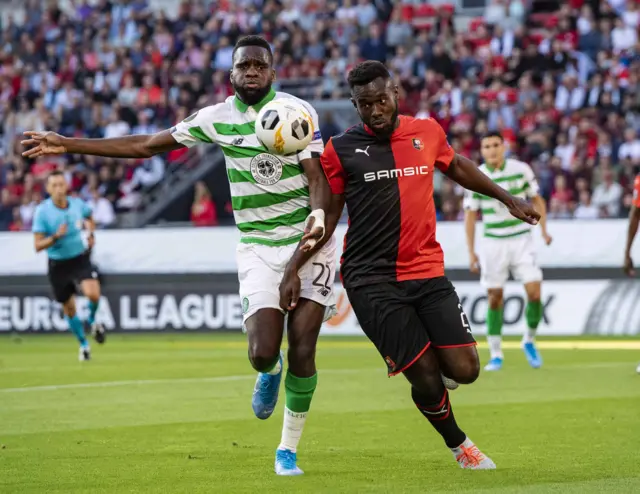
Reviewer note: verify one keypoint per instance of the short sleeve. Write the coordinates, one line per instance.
(444, 152)
(86, 210)
(636, 192)
(39, 222)
(531, 183)
(471, 202)
(196, 129)
(316, 146)
(333, 169)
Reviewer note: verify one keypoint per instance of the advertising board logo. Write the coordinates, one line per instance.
(344, 310)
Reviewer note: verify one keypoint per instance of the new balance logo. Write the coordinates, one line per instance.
(238, 141)
(365, 151)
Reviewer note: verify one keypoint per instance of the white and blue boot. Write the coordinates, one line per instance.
(531, 353)
(85, 353)
(495, 364)
(265, 392)
(286, 463)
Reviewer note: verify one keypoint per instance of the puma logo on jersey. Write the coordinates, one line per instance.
(365, 151)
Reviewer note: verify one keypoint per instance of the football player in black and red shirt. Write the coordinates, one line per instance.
(393, 267)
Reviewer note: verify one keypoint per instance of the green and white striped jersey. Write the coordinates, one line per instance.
(514, 176)
(269, 193)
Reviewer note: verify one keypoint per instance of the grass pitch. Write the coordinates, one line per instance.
(172, 414)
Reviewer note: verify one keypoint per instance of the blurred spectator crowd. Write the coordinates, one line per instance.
(558, 79)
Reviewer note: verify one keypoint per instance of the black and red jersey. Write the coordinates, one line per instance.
(388, 187)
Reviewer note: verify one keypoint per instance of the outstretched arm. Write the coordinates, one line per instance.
(466, 173)
(134, 146)
(195, 129)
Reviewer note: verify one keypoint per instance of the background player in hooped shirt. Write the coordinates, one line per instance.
(507, 246)
(272, 198)
(634, 219)
(57, 227)
(393, 267)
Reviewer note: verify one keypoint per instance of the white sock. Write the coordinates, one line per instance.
(529, 336)
(292, 429)
(276, 370)
(467, 444)
(495, 346)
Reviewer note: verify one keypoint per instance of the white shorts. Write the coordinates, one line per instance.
(500, 256)
(260, 271)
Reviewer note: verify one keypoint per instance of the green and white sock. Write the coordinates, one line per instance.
(494, 332)
(299, 391)
(533, 314)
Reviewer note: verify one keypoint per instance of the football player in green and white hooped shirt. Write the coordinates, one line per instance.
(272, 197)
(507, 246)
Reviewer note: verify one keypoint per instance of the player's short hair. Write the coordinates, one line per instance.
(493, 133)
(366, 72)
(55, 173)
(253, 40)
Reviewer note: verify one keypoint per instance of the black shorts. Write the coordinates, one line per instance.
(403, 318)
(65, 275)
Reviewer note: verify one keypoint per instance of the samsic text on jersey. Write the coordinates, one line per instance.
(388, 187)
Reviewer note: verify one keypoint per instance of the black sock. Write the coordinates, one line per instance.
(440, 414)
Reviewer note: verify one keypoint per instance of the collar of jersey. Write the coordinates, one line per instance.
(243, 107)
(497, 168)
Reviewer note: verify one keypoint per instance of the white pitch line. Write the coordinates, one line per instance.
(113, 384)
(142, 382)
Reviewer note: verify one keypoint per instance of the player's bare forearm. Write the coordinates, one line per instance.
(333, 214)
(319, 191)
(135, 146)
(42, 242)
(90, 224)
(466, 173)
(541, 207)
(470, 218)
(632, 229)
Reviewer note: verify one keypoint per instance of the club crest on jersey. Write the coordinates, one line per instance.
(266, 169)
(417, 143)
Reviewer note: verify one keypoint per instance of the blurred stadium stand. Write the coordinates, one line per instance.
(560, 80)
